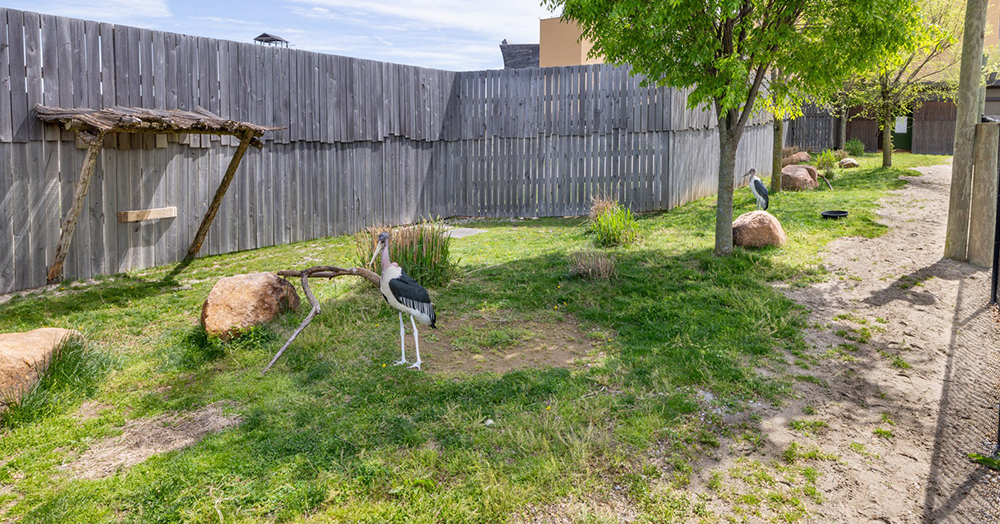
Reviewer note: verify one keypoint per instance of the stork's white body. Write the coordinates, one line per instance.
(393, 272)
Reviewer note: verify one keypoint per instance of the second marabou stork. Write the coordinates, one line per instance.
(404, 294)
(758, 189)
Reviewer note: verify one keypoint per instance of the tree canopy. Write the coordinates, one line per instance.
(724, 49)
(924, 69)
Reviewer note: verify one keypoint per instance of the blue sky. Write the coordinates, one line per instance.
(459, 35)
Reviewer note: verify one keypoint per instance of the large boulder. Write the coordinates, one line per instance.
(239, 302)
(796, 158)
(848, 163)
(23, 356)
(798, 178)
(758, 229)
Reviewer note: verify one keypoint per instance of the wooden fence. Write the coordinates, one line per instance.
(365, 142)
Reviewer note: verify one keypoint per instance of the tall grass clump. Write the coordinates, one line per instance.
(72, 374)
(612, 224)
(826, 160)
(855, 147)
(422, 250)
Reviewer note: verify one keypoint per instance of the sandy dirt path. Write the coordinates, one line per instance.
(900, 341)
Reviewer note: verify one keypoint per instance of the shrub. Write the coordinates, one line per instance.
(614, 227)
(855, 147)
(788, 151)
(593, 264)
(840, 154)
(826, 160)
(422, 250)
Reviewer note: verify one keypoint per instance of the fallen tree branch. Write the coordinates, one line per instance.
(317, 272)
(827, 181)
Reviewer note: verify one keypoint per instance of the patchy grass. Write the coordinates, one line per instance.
(334, 435)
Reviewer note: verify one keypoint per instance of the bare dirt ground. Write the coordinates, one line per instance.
(141, 439)
(899, 383)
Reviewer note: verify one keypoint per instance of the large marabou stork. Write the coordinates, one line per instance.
(758, 189)
(404, 294)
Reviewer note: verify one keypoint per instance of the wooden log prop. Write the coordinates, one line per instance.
(317, 272)
(79, 196)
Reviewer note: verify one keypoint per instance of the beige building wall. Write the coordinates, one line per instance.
(560, 44)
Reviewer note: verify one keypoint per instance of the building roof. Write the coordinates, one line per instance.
(519, 56)
(268, 38)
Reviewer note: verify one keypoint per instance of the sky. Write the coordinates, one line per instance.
(458, 35)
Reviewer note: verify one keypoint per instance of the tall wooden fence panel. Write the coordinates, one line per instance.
(364, 143)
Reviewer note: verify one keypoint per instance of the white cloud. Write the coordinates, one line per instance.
(517, 20)
(131, 12)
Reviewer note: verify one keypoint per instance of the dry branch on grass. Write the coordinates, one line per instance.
(317, 272)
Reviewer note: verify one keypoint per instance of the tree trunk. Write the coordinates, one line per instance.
(843, 129)
(887, 144)
(728, 140)
(779, 130)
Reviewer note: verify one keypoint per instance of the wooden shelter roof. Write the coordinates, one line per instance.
(119, 119)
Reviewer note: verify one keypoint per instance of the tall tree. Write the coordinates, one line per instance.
(725, 48)
(925, 69)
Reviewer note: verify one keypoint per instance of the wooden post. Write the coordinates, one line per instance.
(79, 196)
(217, 201)
(984, 195)
(956, 244)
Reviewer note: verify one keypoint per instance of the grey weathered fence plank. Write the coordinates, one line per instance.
(21, 224)
(19, 113)
(33, 64)
(7, 270)
(6, 128)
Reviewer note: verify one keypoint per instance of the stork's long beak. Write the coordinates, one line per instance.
(378, 249)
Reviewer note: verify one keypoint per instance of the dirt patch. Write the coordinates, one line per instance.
(141, 439)
(613, 507)
(90, 410)
(897, 387)
(476, 344)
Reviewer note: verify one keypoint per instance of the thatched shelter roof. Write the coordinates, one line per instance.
(119, 119)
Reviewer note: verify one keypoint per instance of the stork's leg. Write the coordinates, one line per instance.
(416, 342)
(402, 342)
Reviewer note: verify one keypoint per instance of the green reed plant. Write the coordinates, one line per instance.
(826, 160)
(614, 226)
(422, 250)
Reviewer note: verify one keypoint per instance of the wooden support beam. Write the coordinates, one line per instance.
(138, 215)
(984, 195)
(221, 192)
(79, 196)
(956, 244)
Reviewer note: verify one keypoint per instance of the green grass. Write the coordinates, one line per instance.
(332, 434)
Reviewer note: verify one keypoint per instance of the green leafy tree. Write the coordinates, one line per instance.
(924, 69)
(725, 48)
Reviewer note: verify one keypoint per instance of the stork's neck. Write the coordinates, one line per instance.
(385, 257)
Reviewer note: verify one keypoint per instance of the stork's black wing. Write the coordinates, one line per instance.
(760, 189)
(411, 294)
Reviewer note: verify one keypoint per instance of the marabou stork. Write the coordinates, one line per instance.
(404, 294)
(758, 189)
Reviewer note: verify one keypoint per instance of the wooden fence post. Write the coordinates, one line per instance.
(956, 243)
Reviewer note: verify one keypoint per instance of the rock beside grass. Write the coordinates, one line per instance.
(848, 163)
(795, 158)
(798, 178)
(24, 356)
(757, 229)
(239, 302)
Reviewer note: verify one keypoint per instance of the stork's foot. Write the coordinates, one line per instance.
(416, 365)
(400, 362)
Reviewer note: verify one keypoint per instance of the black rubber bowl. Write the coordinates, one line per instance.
(833, 215)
